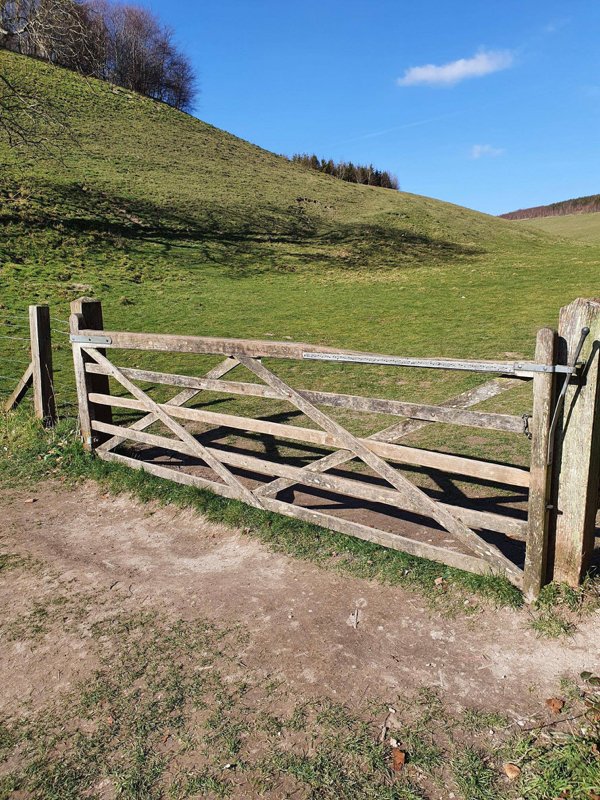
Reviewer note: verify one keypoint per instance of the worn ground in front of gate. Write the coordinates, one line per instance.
(81, 559)
(303, 620)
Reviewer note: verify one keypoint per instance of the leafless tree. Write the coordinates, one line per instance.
(60, 31)
(124, 44)
(64, 32)
(143, 57)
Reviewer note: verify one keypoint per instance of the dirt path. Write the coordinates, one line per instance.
(300, 617)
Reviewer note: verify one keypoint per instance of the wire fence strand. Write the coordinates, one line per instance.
(10, 324)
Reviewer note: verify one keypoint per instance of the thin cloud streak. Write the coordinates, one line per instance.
(483, 63)
(406, 126)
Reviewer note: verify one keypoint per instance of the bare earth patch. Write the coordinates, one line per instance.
(313, 629)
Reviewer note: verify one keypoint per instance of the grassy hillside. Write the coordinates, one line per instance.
(178, 226)
(582, 227)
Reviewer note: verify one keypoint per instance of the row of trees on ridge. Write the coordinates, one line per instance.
(347, 171)
(577, 205)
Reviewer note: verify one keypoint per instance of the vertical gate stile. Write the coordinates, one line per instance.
(538, 516)
(83, 405)
(87, 315)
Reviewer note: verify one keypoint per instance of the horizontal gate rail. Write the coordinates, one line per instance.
(414, 456)
(525, 368)
(351, 487)
(257, 348)
(431, 413)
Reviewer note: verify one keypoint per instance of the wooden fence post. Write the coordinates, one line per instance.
(86, 314)
(536, 554)
(41, 361)
(577, 450)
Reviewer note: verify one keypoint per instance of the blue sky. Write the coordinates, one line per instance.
(493, 104)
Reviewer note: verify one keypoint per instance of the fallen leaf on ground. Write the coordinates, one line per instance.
(31, 500)
(398, 759)
(555, 704)
(512, 771)
(439, 581)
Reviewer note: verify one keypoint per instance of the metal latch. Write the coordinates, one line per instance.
(76, 339)
(561, 397)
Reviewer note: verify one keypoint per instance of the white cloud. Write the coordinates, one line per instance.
(483, 63)
(481, 150)
(555, 25)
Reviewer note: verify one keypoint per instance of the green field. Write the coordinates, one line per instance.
(582, 227)
(180, 227)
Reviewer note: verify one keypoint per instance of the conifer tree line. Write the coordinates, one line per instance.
(347, 171)
(577, 205)
(121, 43)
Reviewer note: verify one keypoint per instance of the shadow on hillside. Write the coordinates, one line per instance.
(266, 236)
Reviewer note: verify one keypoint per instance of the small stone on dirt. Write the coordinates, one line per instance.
(398, 759)
(555, 704)
(31, 500)
(512, 771)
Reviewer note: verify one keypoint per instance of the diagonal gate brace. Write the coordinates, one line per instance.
(180, 398)
(202, 452)
(402, 485)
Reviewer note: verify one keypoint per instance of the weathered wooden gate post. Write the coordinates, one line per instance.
(538, 518)
(41, 362)
(577, 448)
(86, 314)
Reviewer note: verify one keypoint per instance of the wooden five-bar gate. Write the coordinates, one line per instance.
(564, 428)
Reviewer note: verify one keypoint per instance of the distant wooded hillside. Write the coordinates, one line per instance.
(578, 205)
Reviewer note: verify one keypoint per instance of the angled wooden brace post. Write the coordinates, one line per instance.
(39, 373)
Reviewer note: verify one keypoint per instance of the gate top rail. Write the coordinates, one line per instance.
(257, 348)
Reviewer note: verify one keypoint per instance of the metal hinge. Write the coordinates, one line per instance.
(76, 339)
